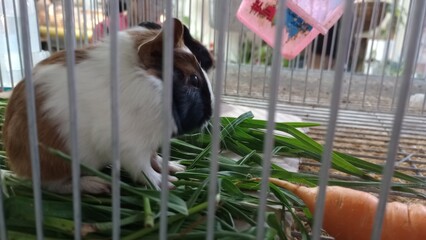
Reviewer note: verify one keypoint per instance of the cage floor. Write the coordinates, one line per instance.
(362, 134)
(313, 87)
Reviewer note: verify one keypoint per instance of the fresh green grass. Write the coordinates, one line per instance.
(236, 199)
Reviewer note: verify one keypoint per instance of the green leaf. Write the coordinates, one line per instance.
(174, 202)
(272, 221)
(227, 130)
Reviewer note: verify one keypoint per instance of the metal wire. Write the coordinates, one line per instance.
(167, 110)
(417, 16)
(18, 35)
(3, 229)
(86, 38)
(47, 19)
(56, 25)
(37, 21)
(269, 139)
(31, 115)
(227, 50)
(357, 47)
(80, 38)
(221, 23)
(115, 120)
(6, 31)
(202, 20)
(396, 83)
(92, 20)
(386, 55)
(324, 45)
(239, 60)
(372, 27)
(72, 98)
(343, 44)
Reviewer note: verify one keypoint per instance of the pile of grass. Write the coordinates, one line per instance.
(236, 201)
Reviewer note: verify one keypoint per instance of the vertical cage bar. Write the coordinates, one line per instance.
(418, 14)
(202, 21)
(190, 14)
(293, 66)
(3, 229)
(321, 66)
(47, 19)
(85, 37)
(115, 120)
(72, 98)
(55, 18)
(18, 35)
(333, 43)
(227, 49)
(314, 46)
(239, 60)
(386, 54)
(37, 10)
(372, 23)
(221, 23)
(351, 42)
(31, 115)
(269, 139)
(97, 20)
(252, 56)
(168, 28)
(1, 90)
(177, 8)
(342, 51)
(355, 52)
(268, 55)
(6, 31)
(309, 55)
(92, 20)
(63, 19)
(106, 17)
(125, 3)
(401, 55)
(80, 39)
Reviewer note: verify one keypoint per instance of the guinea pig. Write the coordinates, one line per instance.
(140, 110)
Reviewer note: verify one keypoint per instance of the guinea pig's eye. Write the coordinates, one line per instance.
(194, 80)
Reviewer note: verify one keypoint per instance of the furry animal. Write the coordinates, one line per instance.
(140, 110)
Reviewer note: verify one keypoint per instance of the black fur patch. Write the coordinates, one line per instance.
(201, 53)
(192, 106)
(199, 50)
(150, 25)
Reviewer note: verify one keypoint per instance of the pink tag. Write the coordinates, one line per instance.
(259, 16)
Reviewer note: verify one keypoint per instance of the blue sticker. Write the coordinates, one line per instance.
(295, 24)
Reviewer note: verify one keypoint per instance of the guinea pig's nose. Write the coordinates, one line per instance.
(194, 80)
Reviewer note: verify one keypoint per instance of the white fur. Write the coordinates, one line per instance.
(140, 113)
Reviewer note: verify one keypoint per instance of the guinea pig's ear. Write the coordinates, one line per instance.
(178, 33)
(152, 50)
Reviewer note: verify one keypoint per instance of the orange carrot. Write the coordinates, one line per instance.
(349, 214)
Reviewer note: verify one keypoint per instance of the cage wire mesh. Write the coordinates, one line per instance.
(375, 67)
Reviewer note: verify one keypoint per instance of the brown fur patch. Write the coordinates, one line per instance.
(60, 57)
(16, 140)
(187, 63)
(141, 37)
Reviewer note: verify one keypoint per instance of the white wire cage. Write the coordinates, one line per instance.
(364, 81)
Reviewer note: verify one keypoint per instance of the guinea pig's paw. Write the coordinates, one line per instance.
(175, 167)
(156, 163)
(155, 179)
(94, 185)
